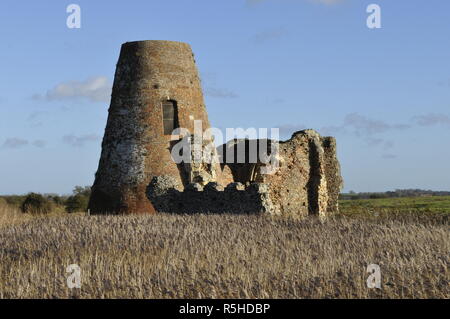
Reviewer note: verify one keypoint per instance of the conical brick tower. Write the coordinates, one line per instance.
(156, 89)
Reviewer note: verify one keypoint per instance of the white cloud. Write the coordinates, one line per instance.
(79, 141)
(95, 89)
(432, 119)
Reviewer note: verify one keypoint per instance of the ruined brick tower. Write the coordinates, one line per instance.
(156, 89)
(157, 102)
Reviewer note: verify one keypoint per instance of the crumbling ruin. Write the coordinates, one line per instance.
(156, 105)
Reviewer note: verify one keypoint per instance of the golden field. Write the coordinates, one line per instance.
(222, 256)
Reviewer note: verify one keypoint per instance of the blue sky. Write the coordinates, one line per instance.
(294, 64)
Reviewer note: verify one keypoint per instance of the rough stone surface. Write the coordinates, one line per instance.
(134, 147)
(137, 173)
(201, 170)
(212, 199)
(332, 173)
(237, 186)
(307, 181)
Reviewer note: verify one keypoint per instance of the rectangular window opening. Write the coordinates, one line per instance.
(170, 117)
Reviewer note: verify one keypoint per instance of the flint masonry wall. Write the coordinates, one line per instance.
(332, 174)
(165, 194)
(134, 147)
(137, 173)
(307, 181)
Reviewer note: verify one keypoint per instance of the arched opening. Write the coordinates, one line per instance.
(170, 116)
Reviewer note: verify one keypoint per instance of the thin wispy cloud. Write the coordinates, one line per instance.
(332, 130)
(385, 144)
(268, 35)
(432, 119)
(209, 78)
(389, 156)
(364, 126)
(368, 129)
(35, 115)
(220, 93)
(16, 143)
(212, 89)
(94, 89)
(444, 83)
(79, 141)
(35, 118)
(39, 143)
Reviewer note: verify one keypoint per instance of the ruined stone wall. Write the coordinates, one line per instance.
(332, 173)
(134, 147)
(307, 181)
(136, 151)
(289, 184)
(166, 196)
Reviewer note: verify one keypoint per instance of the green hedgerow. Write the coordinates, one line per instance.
(36, 204)
(77, 203)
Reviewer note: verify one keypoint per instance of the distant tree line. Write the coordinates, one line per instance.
(392, 194)
(34, 203)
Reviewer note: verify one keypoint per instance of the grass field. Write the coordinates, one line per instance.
(431, 205)
(225, 256)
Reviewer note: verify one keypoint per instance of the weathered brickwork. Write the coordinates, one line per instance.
(157, 88)
(134, 147)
